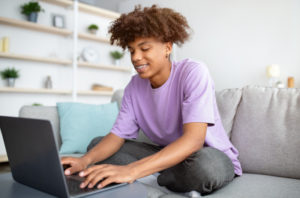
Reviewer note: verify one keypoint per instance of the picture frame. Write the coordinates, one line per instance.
(58, 21)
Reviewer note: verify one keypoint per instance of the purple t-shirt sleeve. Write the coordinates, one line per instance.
(198, 99)
(126, 126)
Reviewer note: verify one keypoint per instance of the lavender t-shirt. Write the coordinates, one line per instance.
(187, 96)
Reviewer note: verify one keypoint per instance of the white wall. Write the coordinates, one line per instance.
(238, 39)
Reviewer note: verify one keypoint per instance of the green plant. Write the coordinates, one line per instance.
(10, 73)
(37, 104)
(116, 54)
(93, 27)
(30, 7)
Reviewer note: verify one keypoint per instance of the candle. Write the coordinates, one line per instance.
(5, 44)
(1, 45)
(291, 82)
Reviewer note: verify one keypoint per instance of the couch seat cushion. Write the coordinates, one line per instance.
(259, 186)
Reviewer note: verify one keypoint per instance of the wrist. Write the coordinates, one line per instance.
(86, 160)
(134, 170)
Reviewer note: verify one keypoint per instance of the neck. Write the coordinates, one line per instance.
(161, 77)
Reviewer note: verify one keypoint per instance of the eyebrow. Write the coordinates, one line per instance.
(140, 44)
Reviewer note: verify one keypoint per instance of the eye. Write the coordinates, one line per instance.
(145, 49)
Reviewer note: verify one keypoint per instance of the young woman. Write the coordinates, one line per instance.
(173, 103)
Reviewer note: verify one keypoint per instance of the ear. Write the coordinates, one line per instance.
(169, 47)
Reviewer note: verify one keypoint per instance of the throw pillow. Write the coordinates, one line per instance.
(80, 123)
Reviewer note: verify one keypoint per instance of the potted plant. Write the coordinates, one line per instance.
(93, 28)
(10, 75)
(116, 55)
(31, 10)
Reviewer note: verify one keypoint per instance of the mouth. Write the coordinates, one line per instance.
(141, 68)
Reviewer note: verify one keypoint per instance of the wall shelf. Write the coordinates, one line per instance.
(101, 66)
(48, 29)
(63, 3)
(95, 93)
(93, 37)
(98, 11)
(34, 58)
(34, 26)
(85, 8)
(62, 62)
(53, 91)
(3, 158)
(33, 90)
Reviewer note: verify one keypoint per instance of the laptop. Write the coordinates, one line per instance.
(34, 158)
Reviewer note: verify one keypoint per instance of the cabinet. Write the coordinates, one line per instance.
(32, 46)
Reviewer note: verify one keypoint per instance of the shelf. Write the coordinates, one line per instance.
(63, 3)
(62, 62)
(98, 11)
(95, 93)
(53, 91)
(3, 158)
(100, 66)
(93, 37)
(34, 91)
(85, 8)
(36, 59)
(43, 28)
(34, 26)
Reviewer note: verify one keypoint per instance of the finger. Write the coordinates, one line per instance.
(98, 178)
(89, 178)
(87, 171)
(106, 182)
(71, 170)
(65, 160)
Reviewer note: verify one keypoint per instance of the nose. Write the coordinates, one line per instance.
(136, 56)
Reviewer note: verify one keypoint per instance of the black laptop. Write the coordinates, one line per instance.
(34, 158)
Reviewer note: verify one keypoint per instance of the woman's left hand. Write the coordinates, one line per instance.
(108, 173)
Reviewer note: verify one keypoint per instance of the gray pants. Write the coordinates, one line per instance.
(204, 171)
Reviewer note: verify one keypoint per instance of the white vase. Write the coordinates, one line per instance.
(93, 31)
(10, 82)
(117, 62)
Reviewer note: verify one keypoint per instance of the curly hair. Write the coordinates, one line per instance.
(162, 23)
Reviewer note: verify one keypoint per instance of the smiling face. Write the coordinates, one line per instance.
(150, 58)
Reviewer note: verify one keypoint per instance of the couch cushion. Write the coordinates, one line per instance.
(266, 131)
(259, 186)
(80, 123)
(228, 100)
(46, 113)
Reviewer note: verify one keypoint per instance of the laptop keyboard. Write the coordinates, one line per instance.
(74, 181)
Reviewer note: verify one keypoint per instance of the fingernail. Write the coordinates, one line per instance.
(82, 185)
(90, 185)
(99, 186)
(81, 174)
(67, 172)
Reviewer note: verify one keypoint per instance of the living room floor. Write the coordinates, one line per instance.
(4, 167)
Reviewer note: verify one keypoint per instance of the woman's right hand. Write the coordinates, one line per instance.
(75, 164)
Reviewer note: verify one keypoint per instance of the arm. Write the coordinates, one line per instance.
(191, 141)
(107, 147)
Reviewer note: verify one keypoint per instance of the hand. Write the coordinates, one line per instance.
(76, 164)
(108, 173)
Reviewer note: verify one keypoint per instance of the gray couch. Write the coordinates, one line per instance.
(263, 124)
